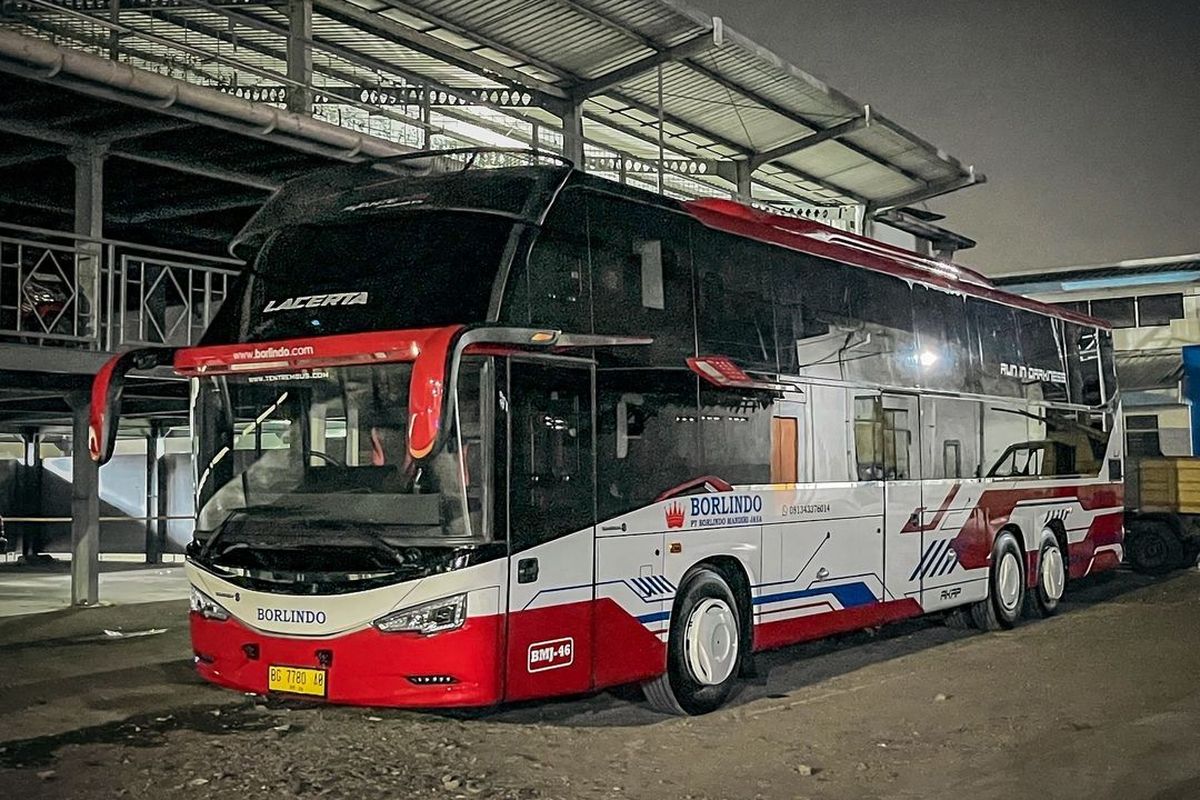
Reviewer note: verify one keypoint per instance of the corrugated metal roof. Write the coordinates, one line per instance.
(723, 97)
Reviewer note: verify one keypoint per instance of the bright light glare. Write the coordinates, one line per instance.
(928, 359)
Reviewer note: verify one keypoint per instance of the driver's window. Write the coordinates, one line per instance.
(551, 452)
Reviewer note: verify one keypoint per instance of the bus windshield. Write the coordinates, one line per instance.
(319, 459)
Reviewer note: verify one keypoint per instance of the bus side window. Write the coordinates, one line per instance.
(884, 431)
(735, 431)
(656, 448)
(641, 278)
(734, 287)
(557, 279)
(868, 437)
(550, 483)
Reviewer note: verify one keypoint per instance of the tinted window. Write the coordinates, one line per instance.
(409, 271)
(1042, 368)
(884, 438)
(553, 288)
(1117, 311)
(1078, 306)
(550, 452)
(1159, 309)
(641, 278)
(733, 280)
(1083, 364)
(995, 332)
(879, 344)
(812, 318)
(943, 351)
(735, 433)
(648, 436)
(1108, 365)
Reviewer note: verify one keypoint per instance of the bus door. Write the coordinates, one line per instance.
(896, 430)
(551, 525)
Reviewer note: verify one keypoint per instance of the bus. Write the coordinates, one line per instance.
(468, 435)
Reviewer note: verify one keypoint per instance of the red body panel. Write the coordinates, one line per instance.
(527, 629)
(802, 629)
(630, 652)
(368, 668)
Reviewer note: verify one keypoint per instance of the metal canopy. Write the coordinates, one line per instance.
(732, 98)
(647, 80)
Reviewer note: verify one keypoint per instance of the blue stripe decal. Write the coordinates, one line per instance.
(661, 581)
(848, 594)
(655, 617)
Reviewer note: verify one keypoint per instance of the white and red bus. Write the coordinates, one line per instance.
(465, 436)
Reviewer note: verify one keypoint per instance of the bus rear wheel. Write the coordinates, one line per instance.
(703, 648)
(1044, 598)
(1006, 587)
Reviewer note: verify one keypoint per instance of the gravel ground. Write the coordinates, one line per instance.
(1101, 701)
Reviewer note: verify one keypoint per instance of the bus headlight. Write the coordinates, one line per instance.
(445, 614)
(206, 607)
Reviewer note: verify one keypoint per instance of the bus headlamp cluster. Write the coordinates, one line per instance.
(445, 614)
(206, 607)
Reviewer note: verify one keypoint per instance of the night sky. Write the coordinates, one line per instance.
(1084, 114)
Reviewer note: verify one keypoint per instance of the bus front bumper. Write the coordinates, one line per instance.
(366, 667)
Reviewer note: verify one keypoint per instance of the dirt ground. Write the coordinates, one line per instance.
(1102, 701)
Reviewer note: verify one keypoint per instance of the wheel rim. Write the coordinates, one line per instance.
(1008, 582)
(711, 642)
(1054, 577)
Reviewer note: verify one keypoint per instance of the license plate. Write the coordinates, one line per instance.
(296, 680)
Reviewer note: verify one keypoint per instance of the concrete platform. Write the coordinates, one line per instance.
(37, 590)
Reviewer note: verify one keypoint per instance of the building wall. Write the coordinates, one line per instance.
(1167, 403)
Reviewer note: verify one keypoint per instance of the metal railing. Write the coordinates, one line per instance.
(66, 290)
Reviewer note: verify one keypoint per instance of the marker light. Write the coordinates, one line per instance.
(445, 614)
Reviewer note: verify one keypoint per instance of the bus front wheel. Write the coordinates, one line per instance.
(1006, 587)
(703, 648)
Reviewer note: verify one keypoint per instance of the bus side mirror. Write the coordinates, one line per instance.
(107, 389)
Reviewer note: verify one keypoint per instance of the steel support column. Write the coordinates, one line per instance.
(89, 222)
(154, 487)
(162, 490)
(29, 493)
(744, 172)
(85, 508)
(299, 56)
(572, 119)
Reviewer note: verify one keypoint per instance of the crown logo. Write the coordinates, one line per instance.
(675, 515)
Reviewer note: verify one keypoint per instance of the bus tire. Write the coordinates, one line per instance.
(1006, 587)
(703, 648)
(1043, 599)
